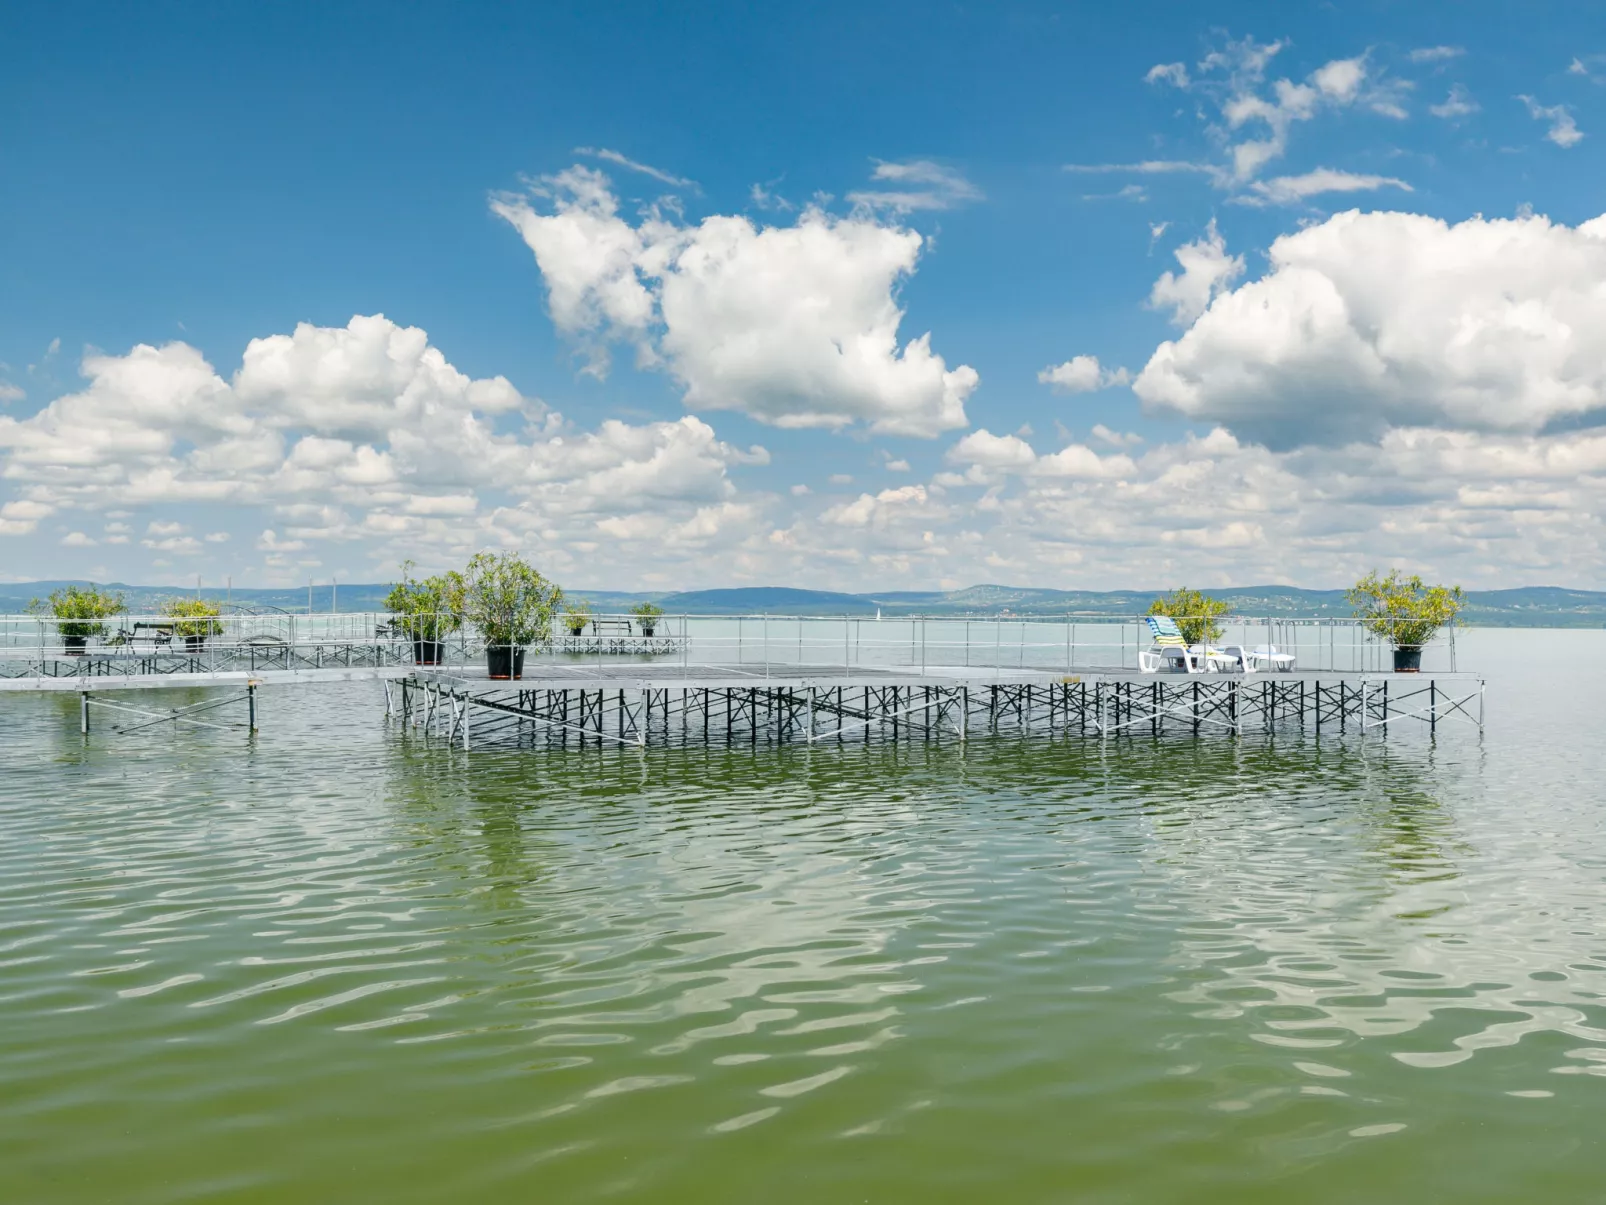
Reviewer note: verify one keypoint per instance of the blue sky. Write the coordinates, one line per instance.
(653, 279)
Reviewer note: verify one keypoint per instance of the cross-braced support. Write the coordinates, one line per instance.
(147, 717)
(815, 711)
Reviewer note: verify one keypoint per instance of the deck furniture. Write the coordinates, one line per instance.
(1267, 656)
(611, 627)
(1170, 649)
(158, 635)
(1217, 659)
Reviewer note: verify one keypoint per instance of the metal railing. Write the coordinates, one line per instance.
(1066, 643)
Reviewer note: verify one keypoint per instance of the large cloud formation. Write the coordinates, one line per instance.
(1373, 321)
(1483, 508)
(362, 432)
(796, 326)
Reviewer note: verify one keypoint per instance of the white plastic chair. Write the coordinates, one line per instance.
(1169, 646)
(1217, 659)
(1266, 656)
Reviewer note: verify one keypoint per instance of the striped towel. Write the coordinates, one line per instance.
(1166, 632)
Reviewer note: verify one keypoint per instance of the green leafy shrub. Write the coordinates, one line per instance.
(196, 618)
(1195, 613)
(427, 609)
(575, 617)
(1402, 610)
(508, 599)
(79, 610)
(647, 615)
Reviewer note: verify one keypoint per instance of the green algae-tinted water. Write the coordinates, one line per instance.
(345, 965)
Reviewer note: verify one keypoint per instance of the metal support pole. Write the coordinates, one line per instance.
(83, 713)
(251, 704)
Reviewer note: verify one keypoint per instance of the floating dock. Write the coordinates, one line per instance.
(767, 680)
(557, 706)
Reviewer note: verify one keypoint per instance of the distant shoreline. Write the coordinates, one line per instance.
(1525, 606)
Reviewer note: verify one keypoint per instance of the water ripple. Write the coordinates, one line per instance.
(341, 962)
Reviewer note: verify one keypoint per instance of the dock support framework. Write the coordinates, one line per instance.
(149, 717)
(637, 714)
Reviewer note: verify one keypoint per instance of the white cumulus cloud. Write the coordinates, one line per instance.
(1378, 320)
(1082, 374)
(1207, 270)
(357, 433)
(1458, 103)
(795, 325)
(1563, 131)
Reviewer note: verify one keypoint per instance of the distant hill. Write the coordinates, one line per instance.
(773, 600)
(1527, 606)
(15, 596)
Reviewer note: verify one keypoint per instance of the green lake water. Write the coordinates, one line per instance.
(343, 964)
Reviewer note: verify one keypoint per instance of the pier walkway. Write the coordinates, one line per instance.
(554, 705)
(778, 680)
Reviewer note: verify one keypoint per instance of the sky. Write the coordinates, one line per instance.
(840, 296)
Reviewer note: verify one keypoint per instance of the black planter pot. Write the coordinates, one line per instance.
(1408, 660)
(577, 632)
(76, 646)
(428, 652)
(648, 629)
(505, 660)
(195, 643)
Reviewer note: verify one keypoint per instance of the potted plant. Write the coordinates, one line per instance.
(1404, 612)
(196, 619)
(1195, 613)
(512, 605)
(79, 612)
(427, 611)
(575, 617)
(647, 615)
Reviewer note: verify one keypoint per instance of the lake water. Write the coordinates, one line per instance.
(346, 964)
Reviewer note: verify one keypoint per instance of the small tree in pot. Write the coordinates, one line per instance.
(196, 620)
(1195, 613)
(428, 611)
(79, 612)
(512, 605)
(1404, 612)
(575, 617)
(647, 615)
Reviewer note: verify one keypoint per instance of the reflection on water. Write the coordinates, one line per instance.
(344, 963)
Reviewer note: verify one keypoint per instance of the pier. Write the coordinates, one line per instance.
(556, 707)
(766, 680)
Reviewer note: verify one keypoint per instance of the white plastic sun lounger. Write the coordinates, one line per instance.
(1266, 656)
(1170, 649)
